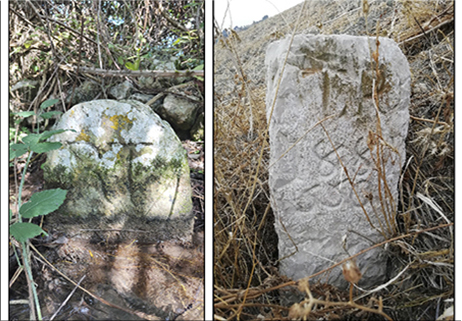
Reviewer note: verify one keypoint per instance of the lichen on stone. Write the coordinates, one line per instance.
(83, 136)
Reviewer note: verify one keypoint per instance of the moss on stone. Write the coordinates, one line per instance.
(111, 179)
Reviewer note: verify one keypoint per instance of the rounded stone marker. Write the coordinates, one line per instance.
(329, 79)
(126, 172)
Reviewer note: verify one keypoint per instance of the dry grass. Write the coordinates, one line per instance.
(418, 238)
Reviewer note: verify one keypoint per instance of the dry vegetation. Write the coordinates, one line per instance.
(247, 283)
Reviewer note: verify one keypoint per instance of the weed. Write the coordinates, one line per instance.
(41, 203)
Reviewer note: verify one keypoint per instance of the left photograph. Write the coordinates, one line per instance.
(106, 160)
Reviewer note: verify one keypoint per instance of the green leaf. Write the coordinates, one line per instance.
(129, 65)
(50, 114)
(200, 67)
(17, 150)
(31, 139)
(48, 133)
(24, 114)
(45, 147)
(48, 103)
(11, 213)
(43, 203)
(22, 231)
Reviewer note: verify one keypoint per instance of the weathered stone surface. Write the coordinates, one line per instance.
(197, 131)
(85, 92)
(331, 76)
(121, 91)
(125, 169)
(26, 88)
(144, 98)
(179, 112)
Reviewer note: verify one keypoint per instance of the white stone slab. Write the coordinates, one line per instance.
(331, 77)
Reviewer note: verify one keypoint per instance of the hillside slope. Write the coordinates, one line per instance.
(245, 242)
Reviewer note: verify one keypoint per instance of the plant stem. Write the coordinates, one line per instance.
(25, 249)
(30, 279)
(22, 182)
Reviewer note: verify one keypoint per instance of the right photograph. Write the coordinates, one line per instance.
(334, 160)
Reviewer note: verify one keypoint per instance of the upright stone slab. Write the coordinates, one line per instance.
(330, 78)
(126, 171)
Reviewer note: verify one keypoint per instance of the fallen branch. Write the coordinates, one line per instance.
(139, 73)
(303, 309)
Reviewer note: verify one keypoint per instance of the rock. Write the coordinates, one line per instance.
(169, 65)
(329, 78)
(145, 82)
(85, 92)
(121, 91)
(179, 112)
(124, 168)
(26, 89)
(144, 98)
(197, 131)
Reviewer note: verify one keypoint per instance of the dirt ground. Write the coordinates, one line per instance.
(123, 279)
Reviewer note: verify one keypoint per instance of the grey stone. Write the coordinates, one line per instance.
(179, 112)
(121, 91)
(125, 169)
(329, 79)
(144, 98)
(87, 91)
(27, 89)
(197, 131)
(145, 82)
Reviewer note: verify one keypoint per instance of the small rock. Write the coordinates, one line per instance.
(121, 91)
(179, 112)
(144, 98)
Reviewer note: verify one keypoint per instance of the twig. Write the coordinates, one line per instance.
(67, 299)
(303, 309)
(169, 19)
(291, 283)
(444, 23)
(383, 286)
(430, 120)
(378, 245)
(137, 313)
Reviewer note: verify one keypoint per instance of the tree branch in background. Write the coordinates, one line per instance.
(146, 73)
(170, 20)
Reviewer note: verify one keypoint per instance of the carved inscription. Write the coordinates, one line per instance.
(325, 183)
